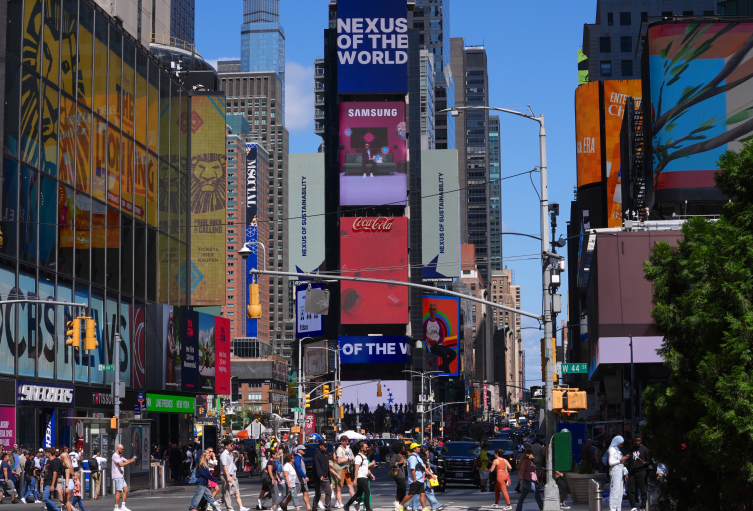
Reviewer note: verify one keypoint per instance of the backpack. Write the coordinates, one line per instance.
(93, 465)
(29, 466)
(477, 462)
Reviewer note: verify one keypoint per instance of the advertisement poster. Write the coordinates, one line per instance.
(208, 201)
(616, 93)
(377, 247)
(373, 149)
(440, 216)
(372, 46)
(441, 318)
(394, 393)
(587, 134)
(306, 323)
(189, 351)
(172, 349)
(8, 427)
(222, 356)
(374, 349)
(206, 352)
(252, 199)
(139, 347)
(305, 226)
(310, 425)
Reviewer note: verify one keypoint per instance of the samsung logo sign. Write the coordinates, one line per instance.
(373, 112)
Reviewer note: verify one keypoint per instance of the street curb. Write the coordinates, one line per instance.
(161, 491)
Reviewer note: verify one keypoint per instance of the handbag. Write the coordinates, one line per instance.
(434, 482)
(393, 473)
(246, 468)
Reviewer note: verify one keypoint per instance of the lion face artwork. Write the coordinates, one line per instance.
(207, 183)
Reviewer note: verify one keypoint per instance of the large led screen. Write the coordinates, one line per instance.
(221, 356)
(372, 46)
(394, 393)
(441, 319)
(588, 134)
(374, 349)
(440, 216)
(373, 149)
(252, 231)
(374, 247)
(305, 226)
(701, 99)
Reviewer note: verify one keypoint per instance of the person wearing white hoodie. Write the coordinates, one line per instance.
(617, 472)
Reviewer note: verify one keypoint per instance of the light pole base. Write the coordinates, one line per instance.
(551, 497)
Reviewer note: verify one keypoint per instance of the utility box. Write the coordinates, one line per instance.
(563, 451)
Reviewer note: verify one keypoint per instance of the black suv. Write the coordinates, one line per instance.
(512, 455)
(455, 464)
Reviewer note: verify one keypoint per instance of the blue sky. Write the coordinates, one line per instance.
(532, 55)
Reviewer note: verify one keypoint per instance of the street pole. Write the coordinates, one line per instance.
(301, 396)
(632, 390)
(116, 389)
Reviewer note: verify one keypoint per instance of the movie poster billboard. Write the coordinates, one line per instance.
(171, 340)
(441, 319)
(440, 216)
(222, 356)
(252, 231)
(376, 247)
(189, 350)
(588, 133)
(373, 150)
(305, 226)
(372, 46)
(207, 351)
(208, 201)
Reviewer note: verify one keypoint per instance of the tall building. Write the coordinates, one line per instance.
(482, 334)
(614, 43)
(472, 141)
(495, 198)
(182, 21)
(257, 97)
(428, 131)
(150, 20)
(509, 373)
(263, 42)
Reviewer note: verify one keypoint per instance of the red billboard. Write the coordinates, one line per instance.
(377, 248)
(221, 356)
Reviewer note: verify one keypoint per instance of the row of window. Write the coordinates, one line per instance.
(626, 67)
(605, 44)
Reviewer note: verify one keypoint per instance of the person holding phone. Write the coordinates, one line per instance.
(118, 475)
(616, 472)
(638, 468)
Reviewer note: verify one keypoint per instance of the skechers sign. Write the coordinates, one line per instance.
(28, 393)
(372, 46)
(374, 349)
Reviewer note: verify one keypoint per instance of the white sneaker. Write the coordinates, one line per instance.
(321, 505)
(364, 175)
(372, 174)
(244, 508)
(123, 508)
(23, 500)
(494, 506)
(507, 508)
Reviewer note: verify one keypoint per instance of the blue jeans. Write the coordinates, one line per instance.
(201, 491)
(77, 500)
(29, 488)
(431, 499)
(526, 488)
(46, 499)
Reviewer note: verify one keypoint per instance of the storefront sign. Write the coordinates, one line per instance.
(28, 393)
(169, 404)
(100, 398)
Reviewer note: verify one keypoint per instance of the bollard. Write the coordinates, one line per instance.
(595, 493)
(155, 477)
(162, 476)
(103, 482)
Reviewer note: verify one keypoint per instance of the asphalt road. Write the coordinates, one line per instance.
(383, 497)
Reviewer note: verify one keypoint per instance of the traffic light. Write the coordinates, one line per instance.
(74, 333)
(342, 412)
(307, 400)
(90, 338)
(254, 308)
(545, 355)
(379, 390)
(564, 400)
(338, 392)
(325, 392)
(222, 416)
(467, 407)
(114, 423)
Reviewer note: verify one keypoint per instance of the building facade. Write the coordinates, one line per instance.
(495, 197)
(428, 130)
(509, 354)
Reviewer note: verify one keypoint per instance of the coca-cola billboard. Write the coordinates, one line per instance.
(377, 248)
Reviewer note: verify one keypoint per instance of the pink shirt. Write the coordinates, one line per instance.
(529, 474)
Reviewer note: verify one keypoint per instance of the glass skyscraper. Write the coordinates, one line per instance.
(263, 41)
(495, 199)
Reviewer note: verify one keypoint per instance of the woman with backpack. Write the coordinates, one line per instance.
(202, 477)
(397, 470)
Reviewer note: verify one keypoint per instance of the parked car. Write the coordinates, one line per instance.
(512, 454)
(455, 464)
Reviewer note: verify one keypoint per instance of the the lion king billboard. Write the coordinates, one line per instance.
(205, 277)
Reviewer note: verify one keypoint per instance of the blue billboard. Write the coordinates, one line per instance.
(252, 198)
(306, 323)
(372, 46)
(374, 349)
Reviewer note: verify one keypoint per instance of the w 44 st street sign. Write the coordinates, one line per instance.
(574, 368)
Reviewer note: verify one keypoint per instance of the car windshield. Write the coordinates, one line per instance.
(501, 444)
(459, 448)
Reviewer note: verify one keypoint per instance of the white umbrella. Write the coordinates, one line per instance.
(352, 435)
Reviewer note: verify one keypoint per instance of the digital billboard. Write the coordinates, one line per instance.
(373, 150)
(221, 356)
(699, 99)
(171, 341)
(189, 350)
(616, 93)
(252, 201)
(372, 46)
(206, 275)
(374, 349)
(588, 133)
(440, 213)
(206, 362)
(305, 223)
(374, 247)
(394, 393)
(441, 320)
(306, 323)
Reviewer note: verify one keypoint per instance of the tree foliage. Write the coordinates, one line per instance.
(701, 420)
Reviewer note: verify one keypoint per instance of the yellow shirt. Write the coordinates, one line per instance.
(484, 460)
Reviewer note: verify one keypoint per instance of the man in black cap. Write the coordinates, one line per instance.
(322, 477)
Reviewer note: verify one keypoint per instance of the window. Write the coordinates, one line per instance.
(666, 14)
(254, 396)
(625, 18)
(708, 13)
(687, 13)
(605, 44)
(606, 68)
(644, 17)
(610, 18)
(627, 68)
(626, 44)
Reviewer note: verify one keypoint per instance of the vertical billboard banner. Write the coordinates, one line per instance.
(616, 93)
(306, 323)
(306, 212)
(171, 341)
(373, 151)
(441, 319)
(7, 426)
(588, 134)
(222, 356)
(205, 276)
(252, 198)
(189, 350)
(207, 352)
(372, 46)
(700, 99)
(139, 346)
(440, 213)
(374, 247)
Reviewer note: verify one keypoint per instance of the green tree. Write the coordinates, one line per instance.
(701, 420)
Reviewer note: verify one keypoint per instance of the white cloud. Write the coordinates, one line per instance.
(213, 62)
(299, 97)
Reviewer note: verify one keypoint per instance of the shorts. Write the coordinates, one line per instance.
(59, 486)
(416, 488)
(483, 474)
(302, 484)
(119, 483)
(70, 485)
(347, 481)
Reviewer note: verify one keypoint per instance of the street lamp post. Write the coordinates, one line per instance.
(423, 399)
(551, 496)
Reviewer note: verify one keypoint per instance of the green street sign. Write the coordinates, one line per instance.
(106, 367)
(296, 409)
(574, 368)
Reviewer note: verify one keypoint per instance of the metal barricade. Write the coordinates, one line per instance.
(594, 495)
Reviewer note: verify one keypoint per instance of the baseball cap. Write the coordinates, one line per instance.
(41, 450)
(414, 445)
(322, 442)
(300, 448)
